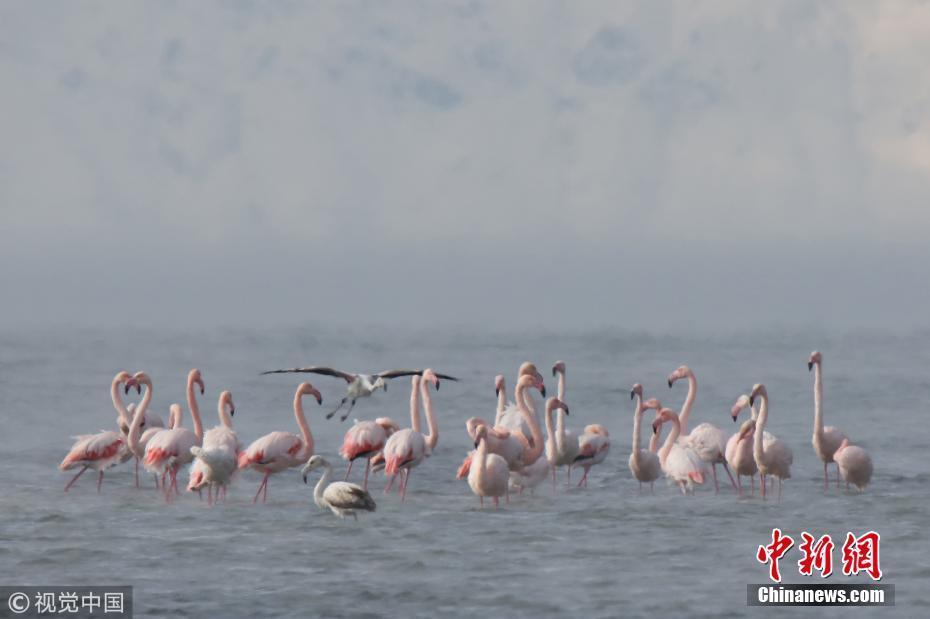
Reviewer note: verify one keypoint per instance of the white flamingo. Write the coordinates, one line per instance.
(739, 451)
(707, 440)
(855, 464)
(489, 473)
(341, 497)
(827, 439)
(566, 443)
(509, 416)
(644, 464)
(679, 462)
(534, 474)
(217, 459)
(776, 457)
(407, 448)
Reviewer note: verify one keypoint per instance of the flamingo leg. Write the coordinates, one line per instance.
(265, 491)
(349, 470)
(727, 469)
(74, 479)
(640, 488)
(367, 469)
(826, 478)
(553, 479)
(137, 472)
(210, 494)
(496, 503)
(681, 485)
(481, 500)
(780, 484)
(174, 480)
(763, 487)
(200, 494)
(387, 489)
(652, 487)
(752, 484)
(837, 475)
(713, 468)
(99, 481)
(260, 486)
(403, 492)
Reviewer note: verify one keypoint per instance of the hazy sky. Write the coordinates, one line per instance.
(643, 165)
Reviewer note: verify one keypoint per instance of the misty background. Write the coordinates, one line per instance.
(663, 166)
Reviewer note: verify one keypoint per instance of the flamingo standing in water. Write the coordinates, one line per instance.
(278, 451)
(739, 451)
(855, 464)
(509, 416)
(169, 450)
(534, 474)
(124, 418)
(707, 440)
(365, 440)
(217, 459)
(679, 462)
(827, 439)
(342, 498)
(93, 451)
(774, 458)
(644, 464)
(407, 448)
(593, 445)
(489, 473)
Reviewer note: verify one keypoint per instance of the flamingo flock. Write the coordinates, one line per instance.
(512, 454)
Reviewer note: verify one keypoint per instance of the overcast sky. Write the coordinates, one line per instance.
(644, 165)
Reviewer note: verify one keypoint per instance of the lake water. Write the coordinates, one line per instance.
(604, 551)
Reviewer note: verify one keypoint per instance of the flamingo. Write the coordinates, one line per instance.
(739, 452)
(341, 497)
(593, 445)
(509, 416)
(169, 450)
(489, 472)
(359, 385)
(707, 440)
(217, 459)
(123, 417)
(534, 474)
(566, 443)
(855, 464)
(277, 451)
(776, 457)
(365, 440)
(679, 462)
(93, 451)
(407, 448)
(827, 439)
(644, 464)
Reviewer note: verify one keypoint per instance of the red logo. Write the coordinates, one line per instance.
(817, 556)
(773, 552)
(860, 554)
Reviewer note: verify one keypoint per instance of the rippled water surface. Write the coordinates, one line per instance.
(601, 552)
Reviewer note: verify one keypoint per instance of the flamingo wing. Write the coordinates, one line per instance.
(344, 495)
(399, 373)
(316, 369)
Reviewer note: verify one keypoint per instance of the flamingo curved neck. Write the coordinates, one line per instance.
(532, 454)
(225, 419)
(818, 402)
(321, 486)
(135, 427)
(118, 403)
(637, 429)
(757, 449)
(672, 437)
(685, 414)
(550, 438)
(433, 437)
(195, 411)
(414, 407)
(501, 405)
(306, 436)
(562, 385)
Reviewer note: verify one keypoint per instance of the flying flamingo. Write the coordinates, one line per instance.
(644, 464)
(217, 459)
(566, 443)
(365, 440)
(776, 457)
(534, 474)
(855, 464)
(407, 448)
(826, 439)
(679, 462)
(359, 385)
(489, 472)
(169, 450)
(707, 440)
(341, 497)
(277, 451)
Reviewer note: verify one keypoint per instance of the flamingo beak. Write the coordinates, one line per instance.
(232, 411)
(202, 388)
(319, 398)
(542, 390)
(565, 408)
(632, 394)
(497, 391)
(655, 426)
(752, 400)
(670, 383)
(555, 370)
(810, 366)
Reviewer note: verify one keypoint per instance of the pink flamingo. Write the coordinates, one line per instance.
(707, 440)
(534, 474)
(123, 417)
(168, 450)
(774, 458)
(407, 448)
(365, 440)
(93, 451)
(827, 439)
(679, 462)
(216, 461)
(566, 443)
(644, 464)
(739, 451)
(510, 416)
(277, 451)
(855, 464)
(489, 472)
(593, 445)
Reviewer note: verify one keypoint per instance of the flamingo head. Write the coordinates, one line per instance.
(498, 384)
(842, 446)
(122, 377)
(652, 403)
(390, 426)
(308, 389)
(558, 368)
(312, 464)
(194, 378)
(529, 369)
(664, 415)
(682, 372)
(138, 379)
(481, 433)
(637, 390)
(553, 403)
(741, 403)
(815, 359)
(429, 376)
(758, 390)
(528, 381)
(226, 400)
